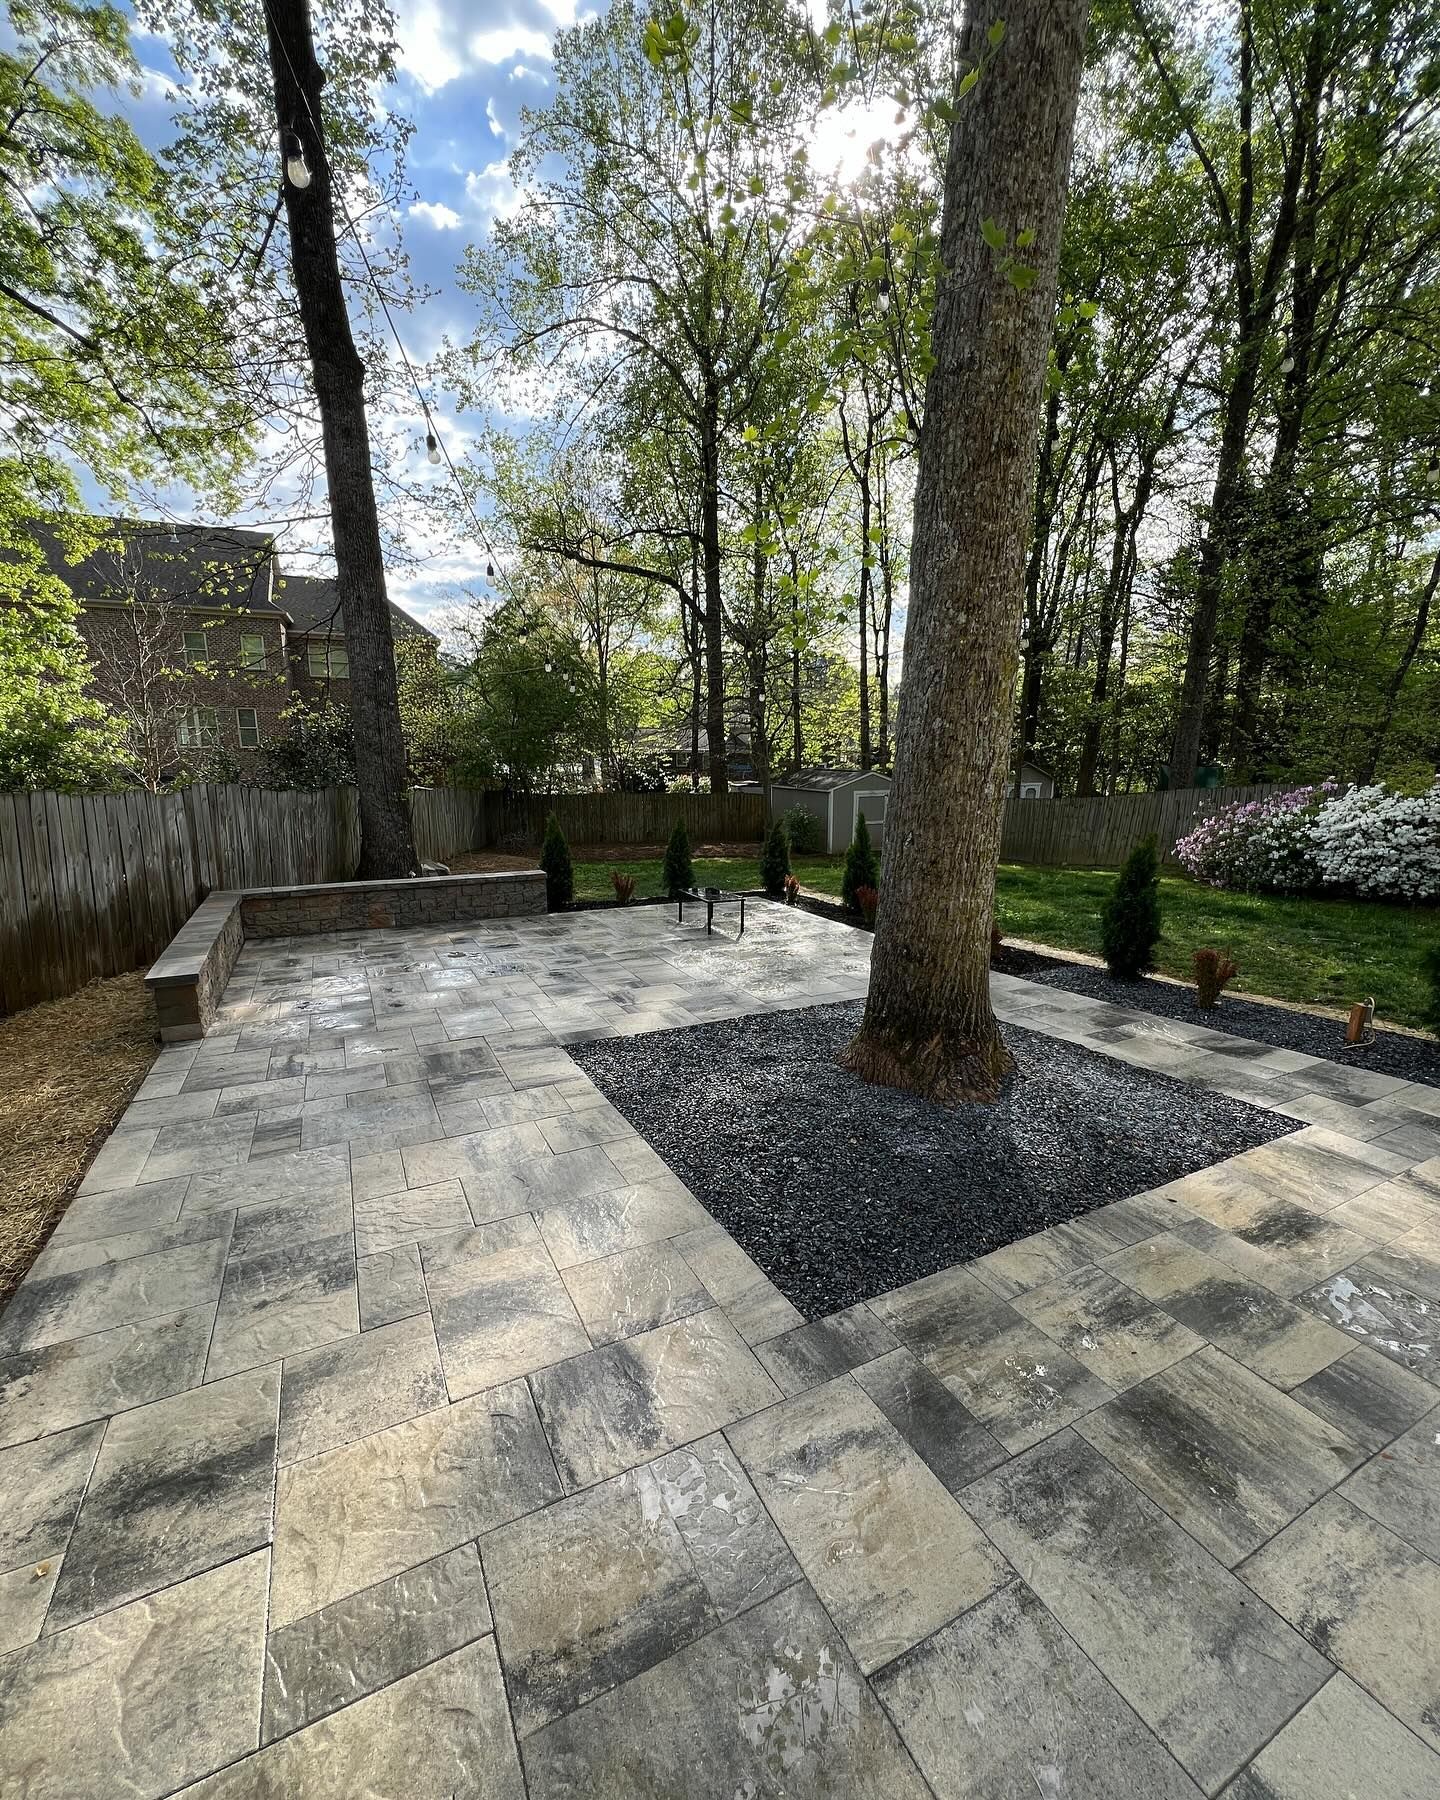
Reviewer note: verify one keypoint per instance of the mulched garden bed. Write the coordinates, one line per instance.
(70, 1068)
(841, 1191)
(1392, 1053)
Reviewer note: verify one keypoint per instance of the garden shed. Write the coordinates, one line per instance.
(837, 798)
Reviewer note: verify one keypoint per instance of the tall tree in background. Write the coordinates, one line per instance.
(652, 248)
(387, 843)
(928, 1023)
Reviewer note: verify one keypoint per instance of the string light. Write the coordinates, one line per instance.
(1287, 364)
(432, 448)
(297, 170)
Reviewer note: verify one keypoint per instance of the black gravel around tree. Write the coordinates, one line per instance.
(1392, 1053)
(841, 1191)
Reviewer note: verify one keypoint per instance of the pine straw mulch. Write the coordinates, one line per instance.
(68, 1069)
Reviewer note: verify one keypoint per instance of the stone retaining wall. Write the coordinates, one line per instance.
(379, 905)
(189, 979)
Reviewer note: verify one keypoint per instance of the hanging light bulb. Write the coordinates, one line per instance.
(1287, 364)
(548, 665)
(489, 571)
(297, 170)
(884, 293)
(432, 448)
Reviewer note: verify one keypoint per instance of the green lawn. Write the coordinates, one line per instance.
(1317, 952)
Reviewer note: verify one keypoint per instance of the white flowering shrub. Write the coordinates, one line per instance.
(1263, 846)
(1379, 845)
(1368, 842)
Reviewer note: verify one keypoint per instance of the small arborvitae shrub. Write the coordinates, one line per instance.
(805, 832)
(624, 886)
(1430, 967)
(775, 861)
(679, 871)
(792, 889)
(1130, 919)
(1214, 969)
(862, 866)
(555, 861)
(867, 899)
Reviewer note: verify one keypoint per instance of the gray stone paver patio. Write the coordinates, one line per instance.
(386, 1418)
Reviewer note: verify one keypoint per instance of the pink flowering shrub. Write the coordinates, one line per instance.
(1369, 842)
(1262, 847)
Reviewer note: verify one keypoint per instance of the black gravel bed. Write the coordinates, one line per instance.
(841, 1191)
(1392, 1053)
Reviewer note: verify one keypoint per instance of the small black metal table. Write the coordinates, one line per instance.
(710, 898)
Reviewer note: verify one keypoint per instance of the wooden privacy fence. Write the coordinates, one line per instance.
(625, 818)
(1100, 834)
(98, 884)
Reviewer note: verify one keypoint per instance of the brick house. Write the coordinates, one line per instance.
(198, 641)
(319, 662)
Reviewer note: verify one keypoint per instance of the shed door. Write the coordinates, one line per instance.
(873, 807)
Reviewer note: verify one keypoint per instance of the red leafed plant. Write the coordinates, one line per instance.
(1213, 969)
(624, 886)
(792, 889)
(997, 942)
(867, 899)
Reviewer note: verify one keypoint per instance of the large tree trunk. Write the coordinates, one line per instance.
(928, 1022)
(712, 615)
(883, 622)
(387, 843)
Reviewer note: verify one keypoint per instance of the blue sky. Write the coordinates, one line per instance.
(466, 72)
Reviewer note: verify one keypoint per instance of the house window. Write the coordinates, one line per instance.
(328, 660)
(252, 650)
(247, 721)
(195, 648)
(198, 729)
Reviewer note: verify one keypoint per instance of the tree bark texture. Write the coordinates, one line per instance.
(713, 613)
(387, 843)
(928, 1023)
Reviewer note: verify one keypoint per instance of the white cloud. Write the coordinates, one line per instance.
(490, 190)
(443, 218)
(437, 47)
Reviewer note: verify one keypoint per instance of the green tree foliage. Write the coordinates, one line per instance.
(315, 750)
(559, 872)
(678, 872)
(1130, 920)
(113, 359)
(775, 860)
(428, 710)
(862, 866)
(114, 353)
(53, 734)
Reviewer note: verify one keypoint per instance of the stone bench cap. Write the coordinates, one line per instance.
(180, 963)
